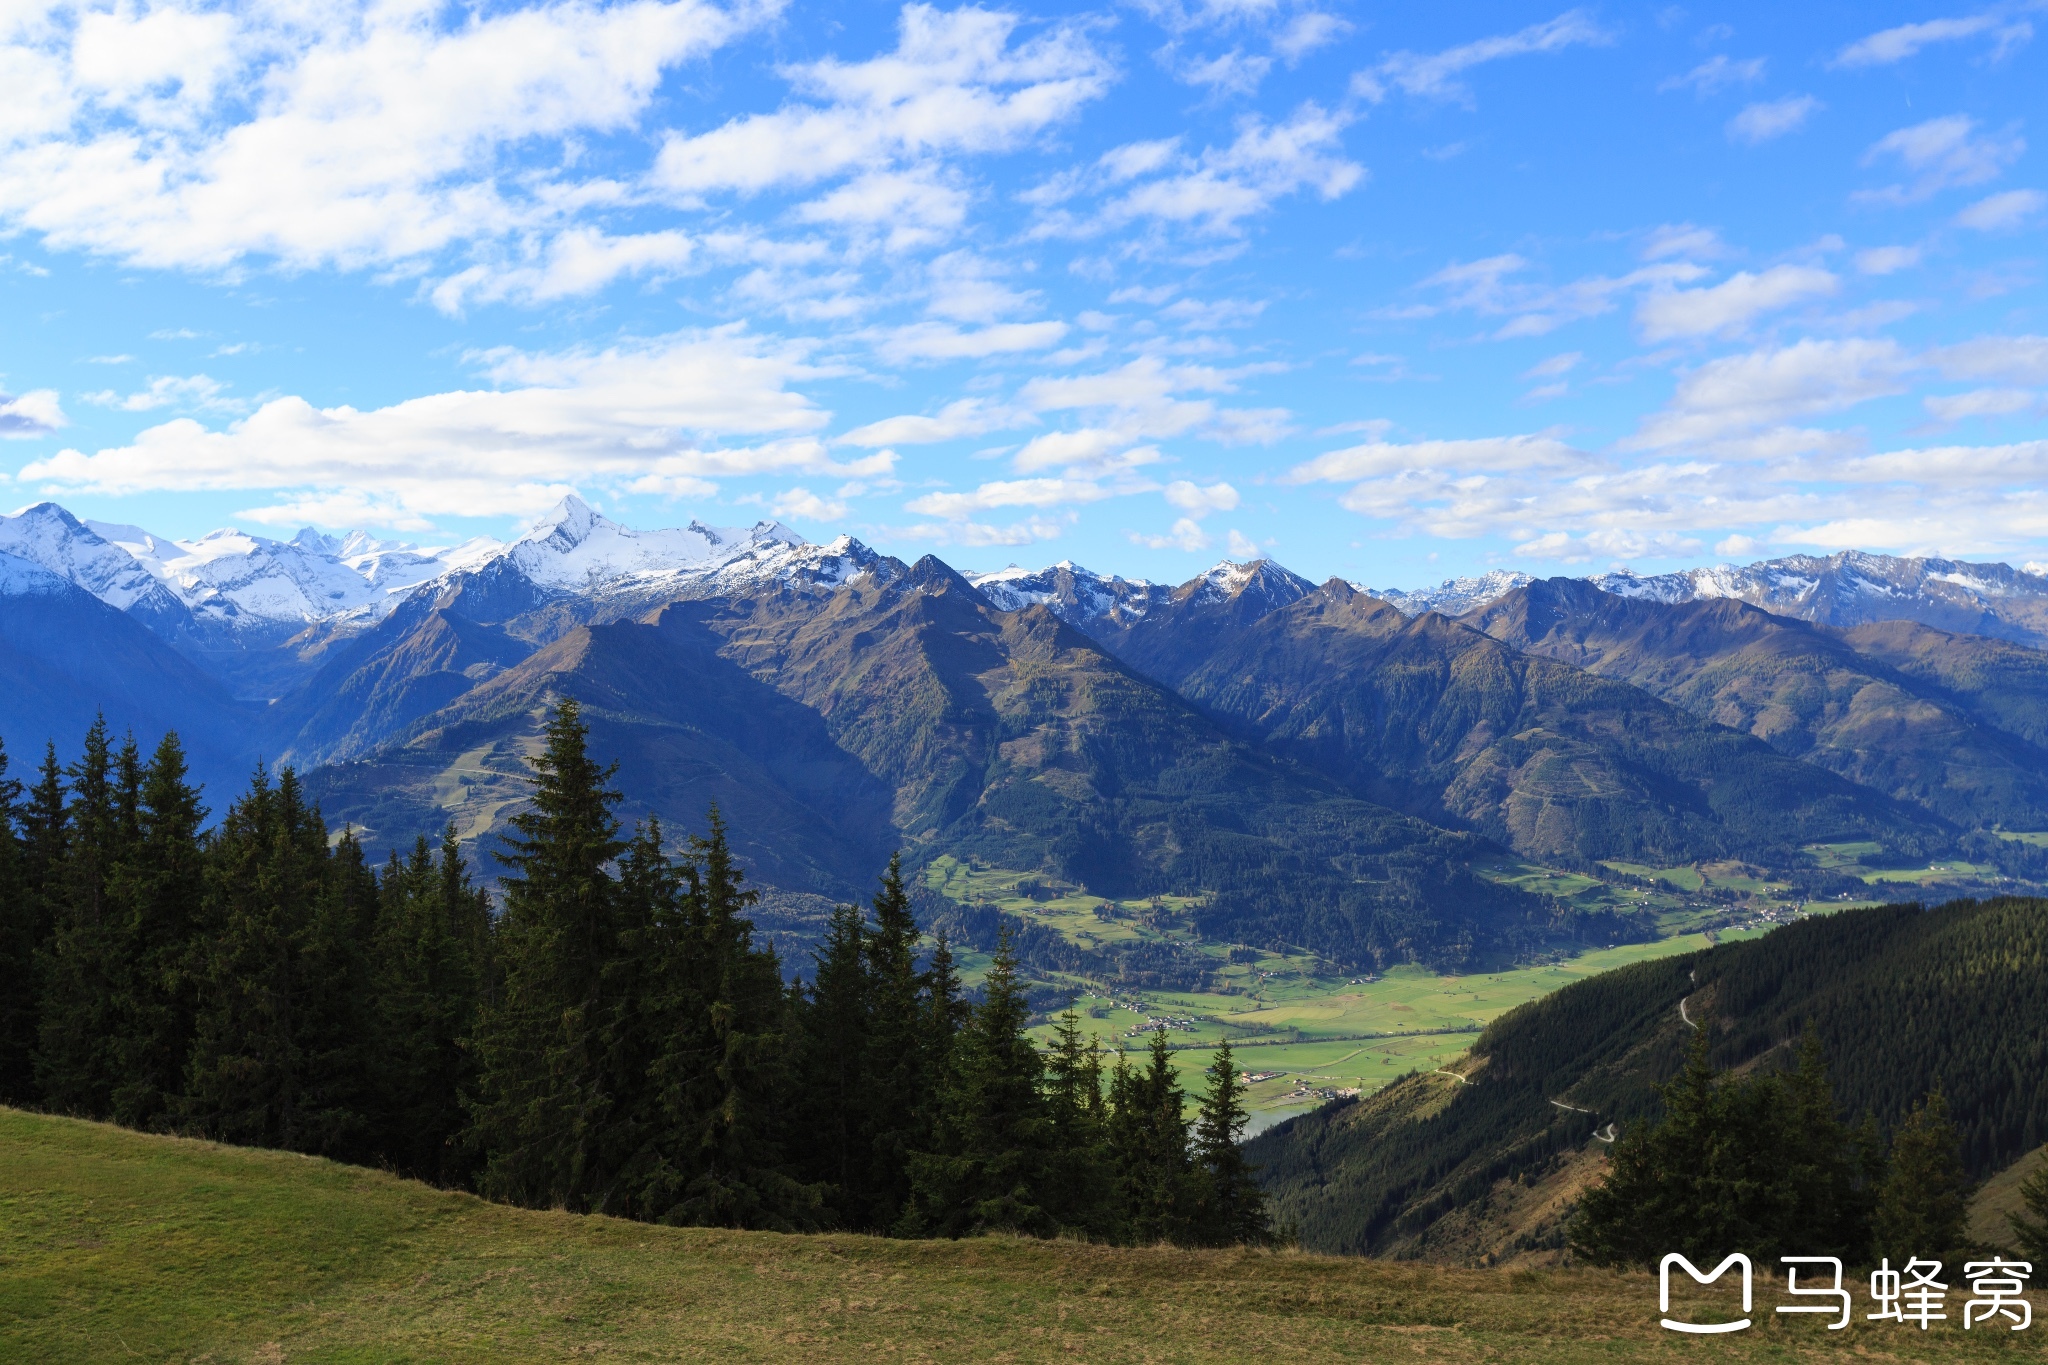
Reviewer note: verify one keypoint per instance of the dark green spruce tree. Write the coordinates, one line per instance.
(21, 934)
(282, 1027)
(2030, 1228)
(893, 1083)
(724, 1080)
(557, 1110)
(993, 1148)
(1923, 1206)
(1079, 1190)
(430, 985)
(1230, 1207)
(1148, 1141)
(85, 970)
(160, 890)
(833, 1038)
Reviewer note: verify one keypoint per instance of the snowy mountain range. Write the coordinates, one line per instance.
(233, 587)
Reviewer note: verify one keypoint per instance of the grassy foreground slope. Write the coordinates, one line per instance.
(120, 1246)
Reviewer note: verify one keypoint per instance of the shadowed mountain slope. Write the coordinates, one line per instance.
(902, 705)
(1888, 705)
(67, 657)
(686, 728)
(1439, 719)
(1902, 999)
(1013, 739)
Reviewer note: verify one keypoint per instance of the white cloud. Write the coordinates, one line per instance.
(1897, 44)
(1136, 403)
(26, 416)
(1377, 458)
(1199, 501)
(1887, 260)
(1186, 536)
(2002, 212)
(963, 417)
(1730, 306)
(1684, 239)
(1555, 366)
(963, 289)
(1241, 545)
(978, 534)
(1216, 192)
(1761, 391)
(805, 505)
(955, 83)
(2012, 360)
(942, 341)
(1436, 76)
(1487, 287)
(1308, 31)
(358, 134)
(1980, 403)
(1010, 493)
(1767, 119)
(189, 392)
(1716, 74)
(651, 416)
(1942, 153)
(574, 262)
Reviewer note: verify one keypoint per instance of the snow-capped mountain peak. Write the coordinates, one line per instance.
(576, 546)
(1076, 595)
(1453, 596)
(47, 535)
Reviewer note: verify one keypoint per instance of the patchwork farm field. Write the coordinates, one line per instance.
(1304, 1030)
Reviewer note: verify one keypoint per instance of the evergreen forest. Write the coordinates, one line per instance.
(608, 1037)
(1840, 1080)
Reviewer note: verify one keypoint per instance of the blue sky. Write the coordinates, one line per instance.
(1392, 292)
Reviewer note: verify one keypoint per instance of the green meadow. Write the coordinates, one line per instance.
(1306, 1029)
(123, 1247)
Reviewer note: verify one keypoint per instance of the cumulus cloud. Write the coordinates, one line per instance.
(1008, 493)
(1438, 75)
(1887, 260)
(956, 83)
(1199, 501)
(351, 135)
(1186, 535)
(1767, 119)
(1211, 193)
(26, 416)
(1730, 306)
(1716, 74)
(2002, 212)
(661, 416)
(1956, 407)
(1940, 154)
(1490, 287)
(1894, 45)
(943, 341)
(197, 392)
(1762, 391)
(963, 417)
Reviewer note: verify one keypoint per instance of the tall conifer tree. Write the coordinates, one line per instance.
(1232, 1208)
(893, 1079)
(160, 890)
(84, 973)
(555, 1100)
(1923, 1207)
(21, 932)
(994, 1141)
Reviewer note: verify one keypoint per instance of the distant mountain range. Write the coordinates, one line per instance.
(1321, 764)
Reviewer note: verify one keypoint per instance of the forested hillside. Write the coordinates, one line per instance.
(1436, 718)
(1902, 1000)
(1950, 723)
(610, 1038)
